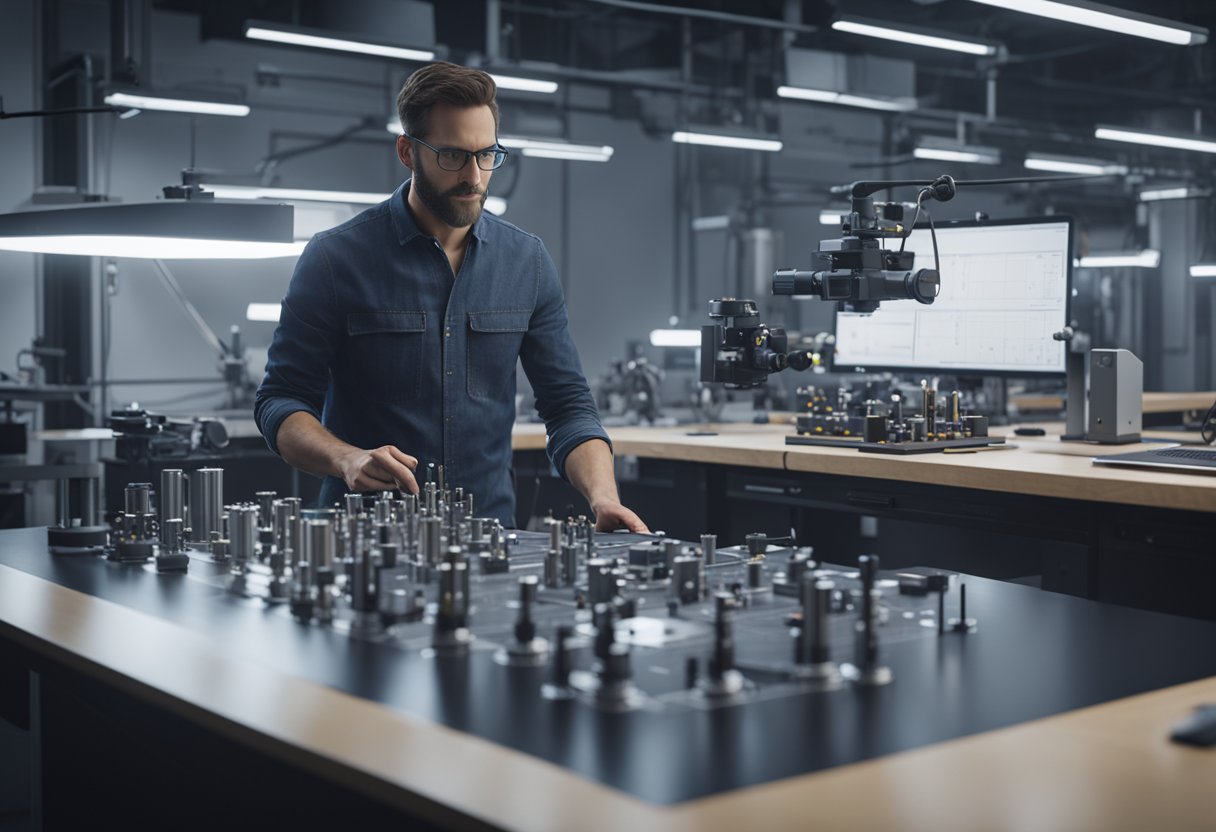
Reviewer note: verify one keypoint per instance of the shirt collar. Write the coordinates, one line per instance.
(403, 220)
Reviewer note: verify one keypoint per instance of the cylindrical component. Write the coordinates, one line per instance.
(172, 503)
(757, 543)
(569, 564)
(875, 429)
(897, 408)
(206, 504)
(867, 644)
(318, 544)
(432, 539)
(265, 506)
(525, 627)
(553, 568)
(723, 657)
(955, 413)
(242, 533)
(137, 498)
(452, 610)
(432, 497)
(283, 511)
(755, 574)
(475, 529)
(561, 662)
(555, 533)
(815, 646)
(601, 581)
(671, 551)
(686, 579)
(171, 532)
(917, 427)
(930, 410)
(354, 504)
(709, 548)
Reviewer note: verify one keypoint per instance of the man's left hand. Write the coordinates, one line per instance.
(612, 516)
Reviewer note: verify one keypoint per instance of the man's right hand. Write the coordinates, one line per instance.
(381, 469)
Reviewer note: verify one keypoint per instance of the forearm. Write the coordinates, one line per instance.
(589, 468)
(304, 443)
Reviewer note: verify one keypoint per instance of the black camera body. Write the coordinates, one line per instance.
(739, 351)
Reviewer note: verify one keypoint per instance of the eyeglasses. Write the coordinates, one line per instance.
(454, 158)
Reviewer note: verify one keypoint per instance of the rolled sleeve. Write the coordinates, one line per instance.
(550, 360)
(302, 351)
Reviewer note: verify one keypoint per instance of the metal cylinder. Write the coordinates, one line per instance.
(354, 504)
(432, 539)
(318, 544)
(569, 564)
(553, 568)
(671, 551)
(137, 498)
(815, 646)
(686, 579)
(206, 504)
(171, 501)
(601, 581)
(265, 501)
(709, 548)
(930, 410)
(171, 533)
(916, 425)
(243, 533)
(282, 511)
(475, 529)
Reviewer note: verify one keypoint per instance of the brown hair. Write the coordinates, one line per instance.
(443, 83)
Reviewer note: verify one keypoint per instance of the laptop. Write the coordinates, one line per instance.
(1186, 458)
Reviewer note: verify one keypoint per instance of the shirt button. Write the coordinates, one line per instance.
(449, 372)
(447, 333)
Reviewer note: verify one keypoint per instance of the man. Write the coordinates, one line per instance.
(400, 331)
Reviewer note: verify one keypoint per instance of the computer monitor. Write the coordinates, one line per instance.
(1005, 287)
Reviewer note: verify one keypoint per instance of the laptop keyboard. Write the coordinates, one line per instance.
(1187, 453)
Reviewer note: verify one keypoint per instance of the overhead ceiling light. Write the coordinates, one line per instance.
(1100, 16)
(944, 149)
(496, 205)
(831, 217)
(913, 36)
(173, 104)
(1118, 134)
(1159, 194)
(301, 194)
(1203, 270)
(296, 36)
(552, 149)
(719, 140)
(173, 229)
(511, 82)
(1066, 164)
(263, 311)
(675, 337)
(1149, 258)
(867, 102)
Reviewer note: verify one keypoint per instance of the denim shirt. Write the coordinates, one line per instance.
(385, 346)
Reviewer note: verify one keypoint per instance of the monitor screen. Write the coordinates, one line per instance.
(1004, 290)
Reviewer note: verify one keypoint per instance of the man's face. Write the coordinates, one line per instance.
(454, 197)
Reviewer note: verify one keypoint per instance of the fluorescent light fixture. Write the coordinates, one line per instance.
(941, 151)
(831, 217)
(263, 311)
(1182, 192)
(718, 140)
(511, 82)
(152, 248)
(873, 29)
(715, 222)
(675, 337)
(868, 102)
(173, 229)
(496, 205)
(1118, 134)
(1203, 270)
(175, 104)
(1065, 164)
(293, 36)
(301, 194)
(1150, 258)
(552, 149)
(1100, 16)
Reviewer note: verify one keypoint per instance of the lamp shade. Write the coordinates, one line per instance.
(173, 229)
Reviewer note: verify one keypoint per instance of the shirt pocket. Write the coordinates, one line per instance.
(494, 341)
(385, 350)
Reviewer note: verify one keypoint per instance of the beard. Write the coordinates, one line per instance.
(446, 209)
